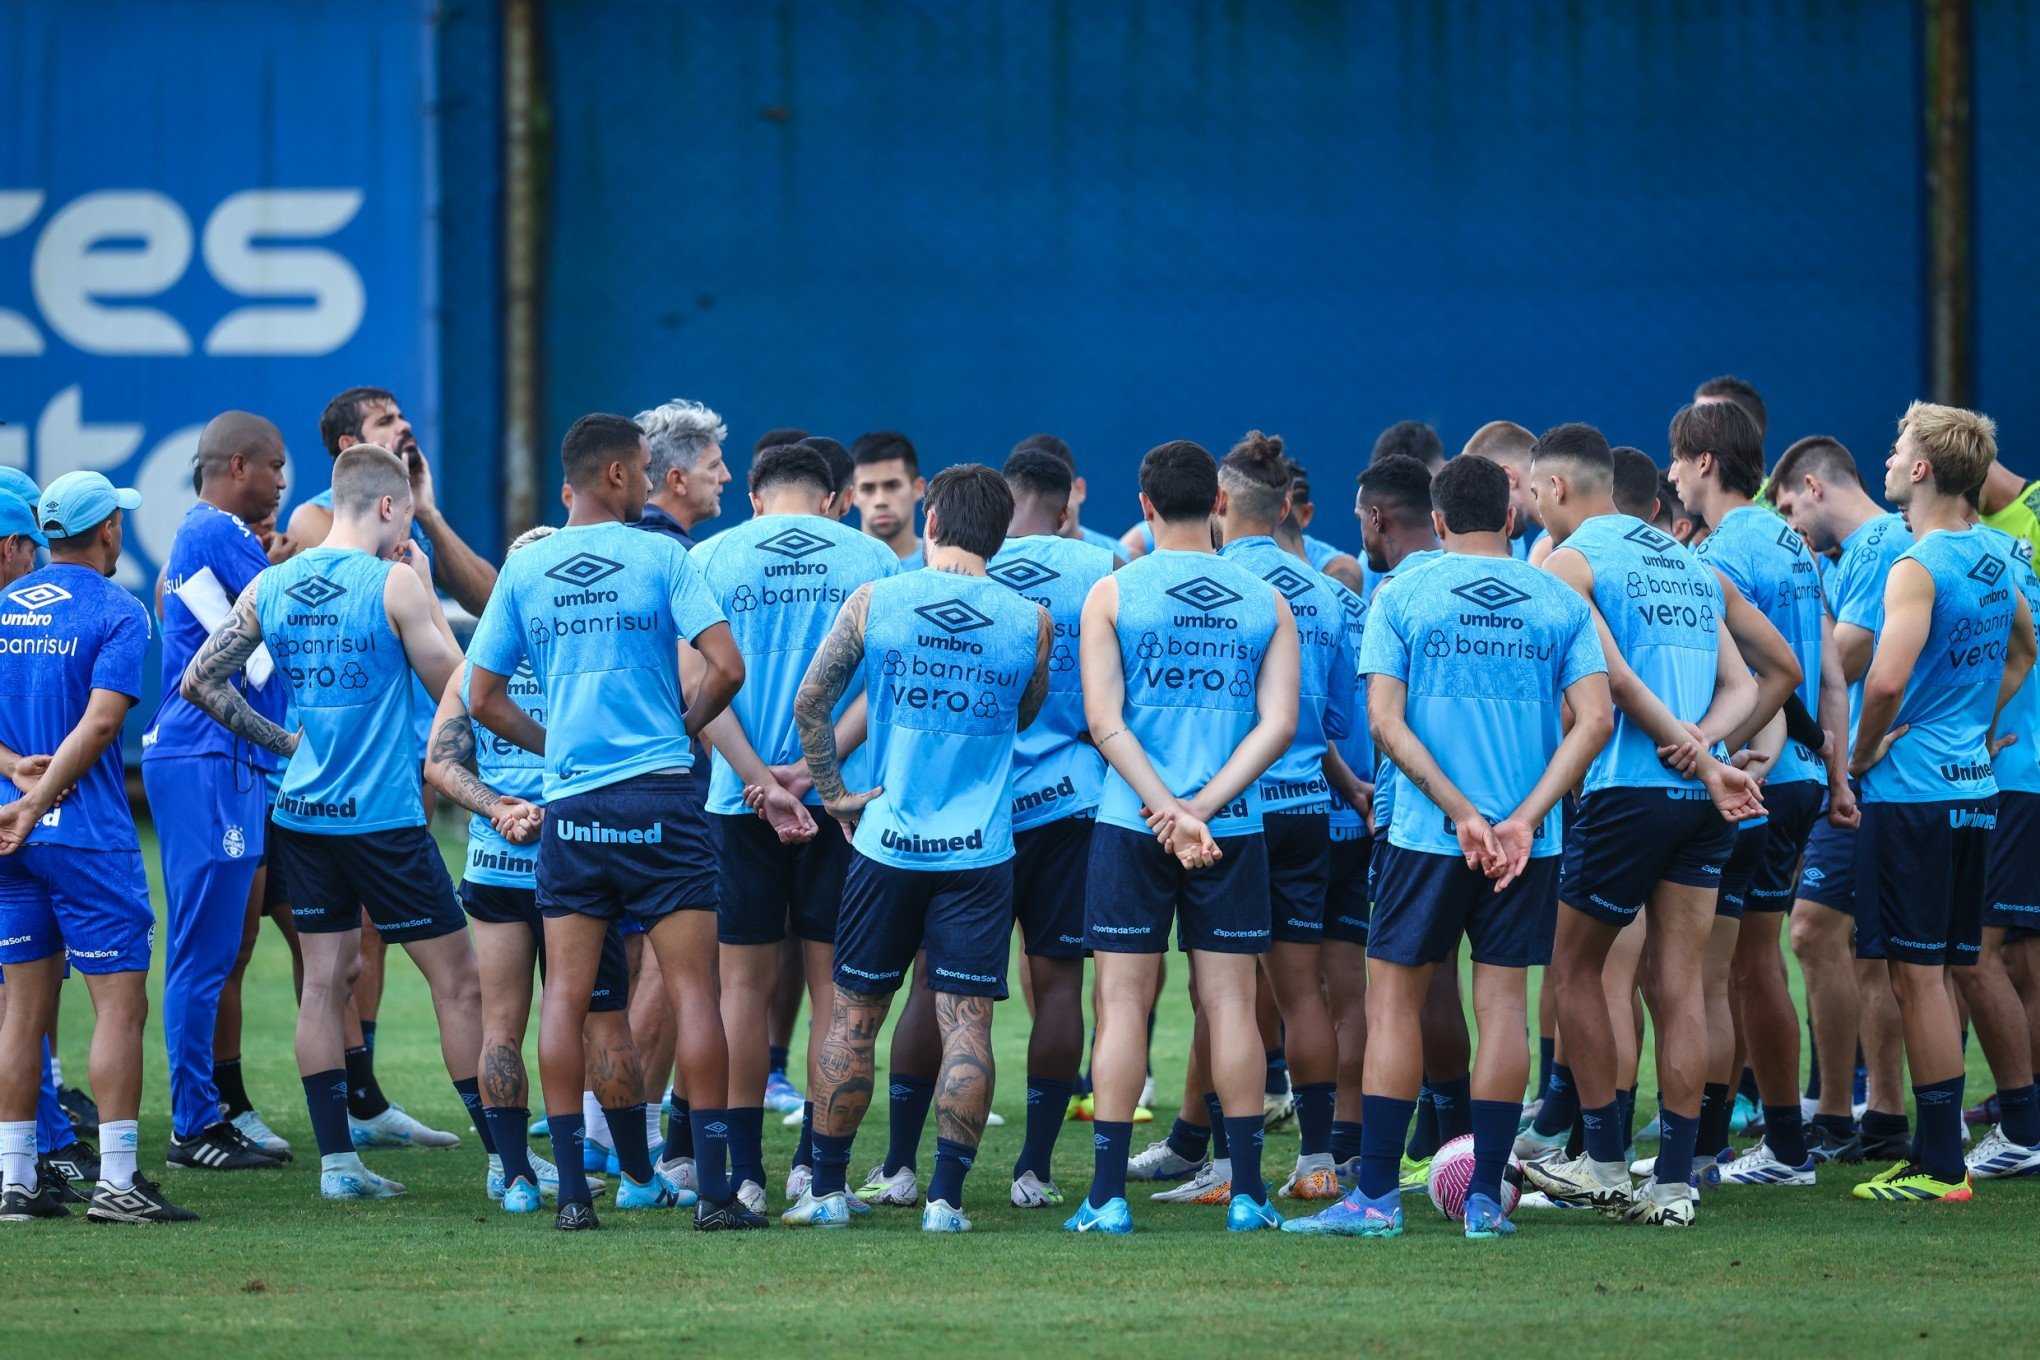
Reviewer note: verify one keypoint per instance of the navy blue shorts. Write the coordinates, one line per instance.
(1745, 861)
(1923, 866)
(637, 848)
(1794, 811)
(91, 905)
(497, 904)
(1134, 888)
(764, 887)
(1299, 873)
(1625, 842)
(1424, 903)
(1351, 889)
(962, 917)
(2011, 883)
(1827, 875)
(1049, 864)
(396, 876)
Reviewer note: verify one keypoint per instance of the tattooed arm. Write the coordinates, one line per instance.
(828, 676)
(1036, 693)
(450, 768)
(209, 679)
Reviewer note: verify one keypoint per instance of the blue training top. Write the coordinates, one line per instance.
(1769, 564)
(1296, 781)
(1356, 748)
(208, 539)
(2017, 766)
(514, 772)
(1856, 587)
(1386, 775)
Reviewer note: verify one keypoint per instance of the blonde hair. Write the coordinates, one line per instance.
(1959, 445)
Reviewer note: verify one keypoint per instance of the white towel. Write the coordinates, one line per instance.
(207, 600)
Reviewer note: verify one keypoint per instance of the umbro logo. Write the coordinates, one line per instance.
(315, 592)
(1645, 536)
(1790, 541)
(1022, 573)
(40, 596)
(1201, 592)
(1355, 607)
(1491, 593)
(1290, 582)
(584, 569)
(954, 616)
(1988, 571)
(794, 544)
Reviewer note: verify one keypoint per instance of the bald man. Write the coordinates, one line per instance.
(1507, 445)
(208, 788)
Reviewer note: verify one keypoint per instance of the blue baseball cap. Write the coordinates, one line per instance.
(21, 484)
(17, 518)
(78, 501)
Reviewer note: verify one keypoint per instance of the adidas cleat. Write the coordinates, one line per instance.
(656, 1193)
(576, 1215)
(1313, 1183)
(782, 1096)
(1660, 1206)
(521, 1196)
(729, 1216)
(548, 1178)
(1998, 1157)
(1485, 1219)
(1759, 1166)
(141, 1202)
(1354, 1216)
(1245, 1214)
(221, 1147)
(1114, 1218)
(1031, 1192)
(357, 1183)
(1211, 1185)
(1582, 1181)
(1909, 1182)
(830, 1211)
(940, 1217)
(19, 1204)
(250, 1126)
(393, 1129)
(1160, 1162)
(901, 1189)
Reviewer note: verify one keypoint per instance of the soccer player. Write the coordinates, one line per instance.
(72, 889)
(208, 787)
(2008, 502)
(1769, 565)
(1324, 558)
(501, 785)
(954, 666)
(842, 474)
(1411, 439)
(1191, 686)
(779, 578)
(1295, 794)
(597, 611)
(1818, 488)
(888, 487)
(348, 623)
(1057, 776)
(1470, 658)
(1648, 837)
(1058, 450)
(1956, 644)
(1739, 393)
(1507, 445)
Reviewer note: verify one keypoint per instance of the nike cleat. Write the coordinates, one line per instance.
(1245, 1214)
(1485, 1219)
(393, 1129)
(1909, 1182)
(656, 1193)
(680, 1171)
(1160, 1162)
(1354, 1216)
(1415, 1174)
(1582, 1181)
(1529, 1115)
(729, 1216)
(1532, 1146)
(595, 1156)
(19, 1204)
(1114, 1218)
(221, 1147)
(940, 1217)
(1312, 1183)
(901, 1189)
(1642, 1167)
(548, 1178)
(1998, 1157)
(830, 1211)
(141, 1202)
(797, 1182)
(1747, 1117)
(541, 1127)
(1211, 1185)
(250, 1126)
(521, 1196)
(1277, 1109)
(1031, 1192)
(1884, 1147)
(576, 1215)
(782, 1096)
(1660, 1206)
(357, 1183)
(1823, 1144)
(1537, 1201)
(752, 1196)
(1759, 1166)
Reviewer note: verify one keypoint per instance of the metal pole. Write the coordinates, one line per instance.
(1950, 199)
(523, 214)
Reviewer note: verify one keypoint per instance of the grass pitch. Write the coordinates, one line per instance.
(273, 1270)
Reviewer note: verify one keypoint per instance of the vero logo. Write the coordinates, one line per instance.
(1492, 593)
(794, 544)
(315, 592)
(584, 570)
(953, 616)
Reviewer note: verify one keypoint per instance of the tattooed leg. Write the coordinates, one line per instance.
(963, 1093)
(614, 1073)
(843, 1065)
(504, 955)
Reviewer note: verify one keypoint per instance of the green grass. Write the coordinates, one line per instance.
(272, 1269)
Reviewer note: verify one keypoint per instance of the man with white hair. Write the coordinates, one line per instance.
(688, 472)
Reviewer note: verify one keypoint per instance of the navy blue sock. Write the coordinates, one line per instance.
(1785, 1133)
(567, 1131)
(1384, 1123)
(1048, 1100)
(1424, 1128)
(908, 1103)
(1278, 1071)
(804, 1147)
(2019, 1114)
(1675, 1147)
(679, 1133)
(1625, 1102)
(1716, 1110)
(471, 1096)
(775, 1057)
(1604, 1131)
(1189, 1141)
(1494, 1133)
(1453, 1099)
(1940, 1134)
(1813, 1066)
(326, 1099)
(1561, 1102)
(1111, 1140)
(368, 1034)
(1219, 1148)
(1243, 1136)
(1747, 1086)
(952, 1164)
(1314, 1103)
(627, 1137)
(365, 1099)
(1878, 1124)
(1345, 1140)
(832, 1163)
(233, 1090)
(1546, 1060)
(508, 1124)
(747, 1144)
(711, 1154)
(1840, 1125)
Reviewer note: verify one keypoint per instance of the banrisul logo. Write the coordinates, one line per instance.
(1789, 541)
(584, 571)
(1292, 583)
(315, 592)
(1205, 597)
(39, 596)
(1022, 574)
(1988, 571)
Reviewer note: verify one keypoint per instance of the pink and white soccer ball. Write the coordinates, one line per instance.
(1452, 1172)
